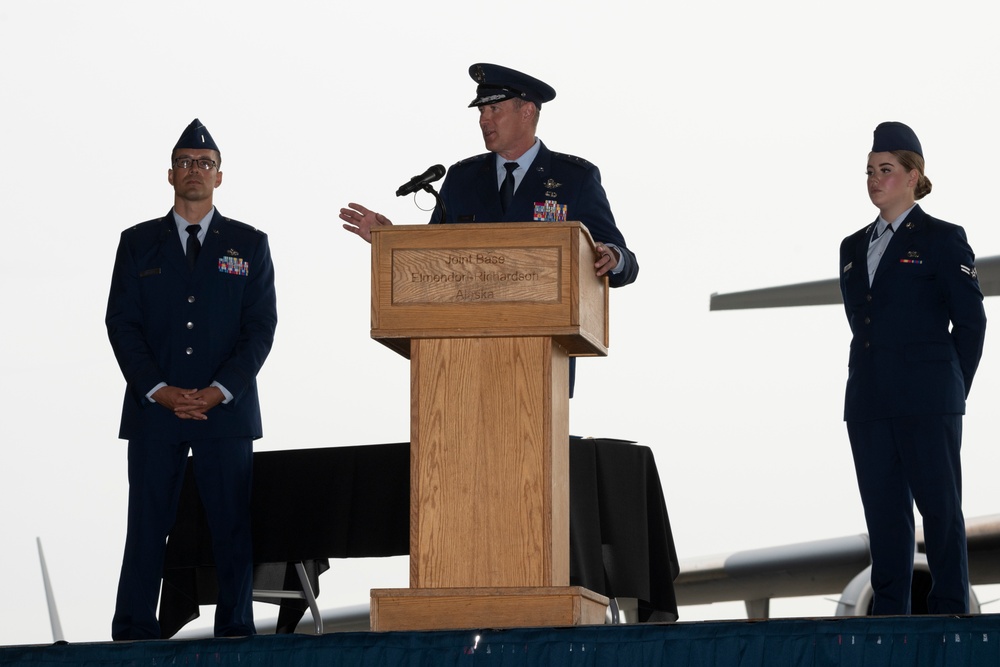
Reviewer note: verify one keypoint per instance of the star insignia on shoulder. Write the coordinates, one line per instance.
(474, 158)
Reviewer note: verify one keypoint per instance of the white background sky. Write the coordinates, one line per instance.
(732, 138)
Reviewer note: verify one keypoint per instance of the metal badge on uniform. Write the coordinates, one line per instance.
(234, 266)
(912, 257)
(550, 211)
(910, 225)
(551, 185)
(969, 271)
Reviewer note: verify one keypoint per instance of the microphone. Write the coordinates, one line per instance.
(420, 181)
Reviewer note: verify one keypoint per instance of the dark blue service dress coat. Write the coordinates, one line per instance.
(190, 328)
(918, 330)
(470, 194)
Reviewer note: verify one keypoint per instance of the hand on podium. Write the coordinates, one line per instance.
(607, 258)
(360, 220)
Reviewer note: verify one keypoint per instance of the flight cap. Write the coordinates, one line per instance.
(893, 136)
(196, 135)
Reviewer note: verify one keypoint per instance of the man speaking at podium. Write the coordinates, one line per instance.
(520, 179)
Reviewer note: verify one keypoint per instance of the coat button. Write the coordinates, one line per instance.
(191, 299)
(190, 325)
(868, 298)
(867, 345)
(189, 351)
(868, 320)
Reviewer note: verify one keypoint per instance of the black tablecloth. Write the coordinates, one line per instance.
(310, 505)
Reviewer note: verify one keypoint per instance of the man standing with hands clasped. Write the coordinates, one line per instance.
(191, 318)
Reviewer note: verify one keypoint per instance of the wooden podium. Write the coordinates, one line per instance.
(488, 315)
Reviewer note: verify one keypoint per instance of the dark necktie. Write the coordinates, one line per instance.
(876, 236)
(507, 188)
(193, 245)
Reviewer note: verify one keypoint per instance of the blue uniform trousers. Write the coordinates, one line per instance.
(900, 461)
(223, 470)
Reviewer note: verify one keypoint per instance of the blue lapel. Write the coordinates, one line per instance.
(488, 209)
(171, 250)
(910, 225)
(211, 249)
(522, 208)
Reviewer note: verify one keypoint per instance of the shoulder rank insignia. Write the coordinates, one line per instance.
(969, 271)
(474, 158)
(572, 158)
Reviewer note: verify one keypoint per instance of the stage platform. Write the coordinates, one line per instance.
(916, 641)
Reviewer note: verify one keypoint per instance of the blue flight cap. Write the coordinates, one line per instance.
(196, 136)
(498, 83)
(893, 136)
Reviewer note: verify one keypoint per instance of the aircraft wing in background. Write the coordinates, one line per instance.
(838, 566)
(825, 292)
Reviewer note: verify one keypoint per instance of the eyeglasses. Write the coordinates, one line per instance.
(186, 162)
